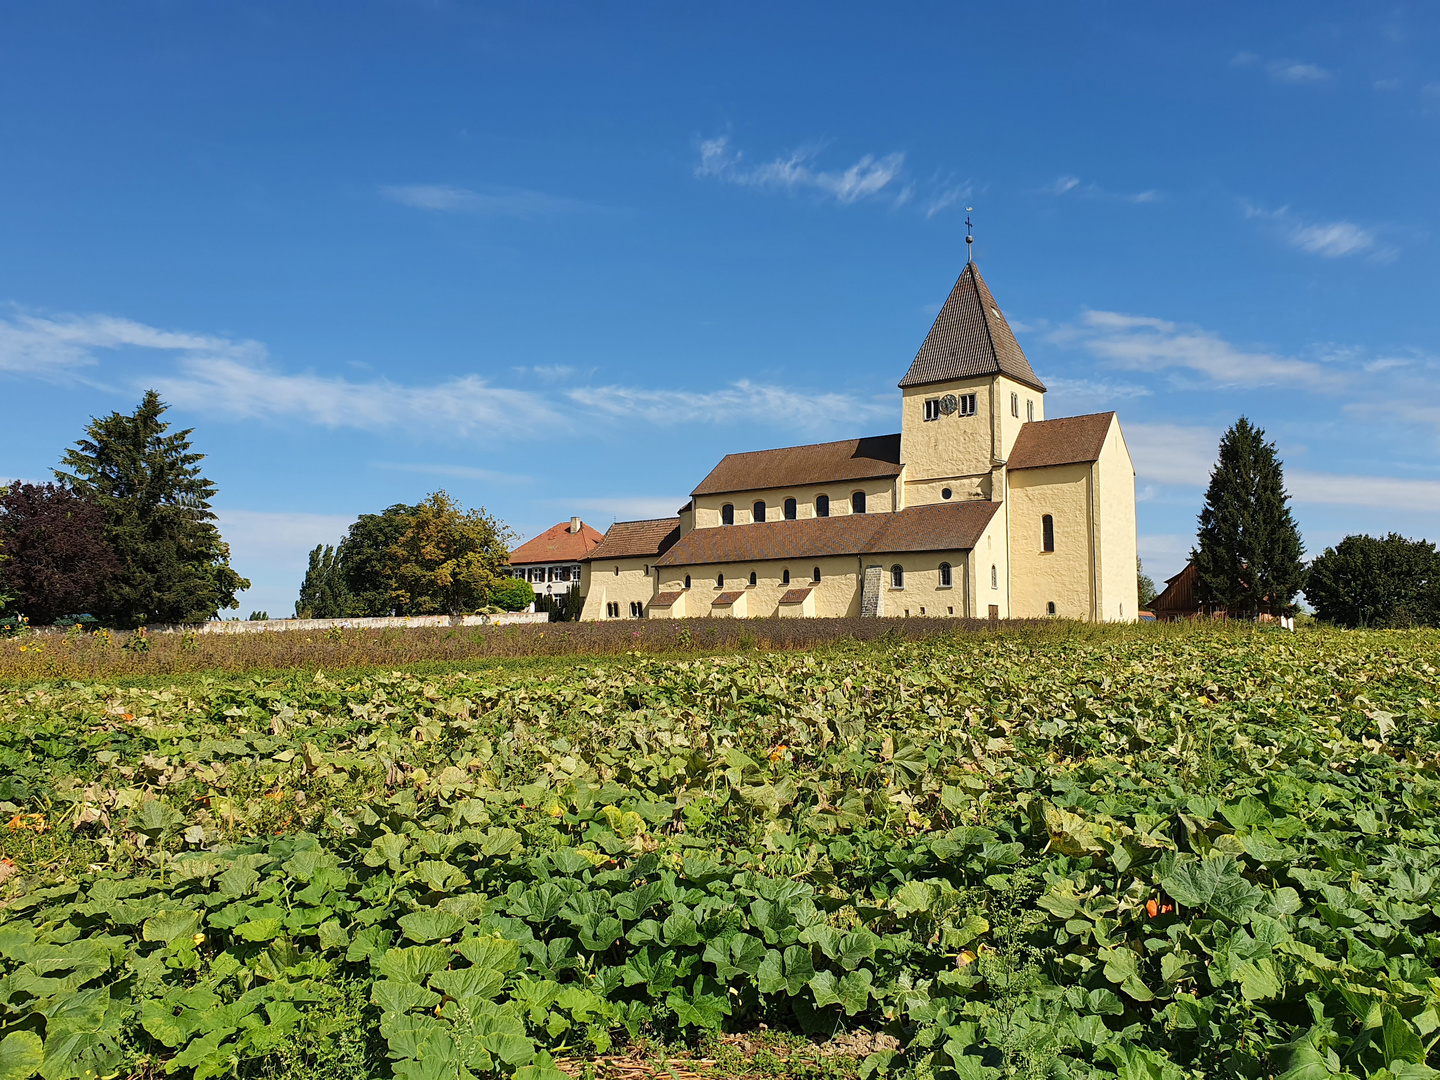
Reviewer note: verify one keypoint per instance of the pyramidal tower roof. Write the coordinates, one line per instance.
(970, 337)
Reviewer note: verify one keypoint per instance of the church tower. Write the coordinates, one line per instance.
(965, 397)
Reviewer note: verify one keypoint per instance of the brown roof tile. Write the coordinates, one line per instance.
(666, 599)
(1063, 441)
(937, 527)
(636, 539)
(725, 599)
(796, 466)
(970, 337)
(795, 596)
(556, 544)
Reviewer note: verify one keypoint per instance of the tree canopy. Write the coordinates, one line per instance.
(54, 559)
(448, 559)
(146, 481)
(1248, 557)
(1365, 581)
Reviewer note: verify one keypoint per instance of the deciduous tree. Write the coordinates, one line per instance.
(448, 559)
(323, 593)
(54, 559)
(1364, 581)
(366, 560)
(1248, 557)
(174, 566)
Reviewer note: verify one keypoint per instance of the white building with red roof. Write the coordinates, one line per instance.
(551, 561)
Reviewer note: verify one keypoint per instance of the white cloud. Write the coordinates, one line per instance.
(1172, 453)
(1377, 492)
(497, 202)
(1387, 84)
(1293, 71)
(1333, 239)
(1144, 197)
(277, 539)
(1064, 184)
(1141, 343)
(631, 507)
(945, 198)
(866, 178)
(57, 348)
(742, 401)
(1084, 393)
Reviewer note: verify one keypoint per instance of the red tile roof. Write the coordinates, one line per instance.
(970, 337)
(1063, 441)
(937, 527)
(636, 539)
(795, 596)
(666, 599)
(796, 466)
(556, 544)
(725, 599)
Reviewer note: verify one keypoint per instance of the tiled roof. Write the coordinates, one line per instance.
(556, 544)
(1064, 441)
(725, 599)
(796, 466)
(970, 337)
(636, 539)
(795, 596)
(666, 599)
(937, 527)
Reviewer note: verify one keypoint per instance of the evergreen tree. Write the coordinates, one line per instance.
(1364, 581)
(1248, 559)
(323, 593)
(174, 566)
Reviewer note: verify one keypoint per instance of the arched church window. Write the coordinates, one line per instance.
(822, 505)
(727, 514)
(945, 575)
(1047, 533)
(897, 576)
(759, 510)
(785, 577)
(857, 502)
(752, 577)
(790, 509)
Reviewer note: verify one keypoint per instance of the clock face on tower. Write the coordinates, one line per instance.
(948, 404)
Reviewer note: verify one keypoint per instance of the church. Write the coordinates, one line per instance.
(979, 507)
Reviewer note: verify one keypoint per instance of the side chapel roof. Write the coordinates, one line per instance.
(796, 466)
(970, 337)
(635, 539)
(1066, 440)
(932, 527)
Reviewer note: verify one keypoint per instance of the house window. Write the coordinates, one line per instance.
(932, 408)
(1014, 404)
(719, 581)
(967, 404)
(785, 577)
(759, 510)
(727, 514)
(815, 577)
(897, 576)
(752, 577)
(945, 581)
(790, 509)
(1030, 410)
(945, 493)
(994, 577)
(687, 581)
(1047, 533)
(822, 505)
(1050, 608)
(857, 502)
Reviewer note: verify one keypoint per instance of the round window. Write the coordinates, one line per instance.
(945, 493)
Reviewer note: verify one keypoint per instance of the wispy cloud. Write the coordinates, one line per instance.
(462, 472)
(57, 348)
(866, 178)
(1172, 453)
(1143, 343)
(1329, 239)
(1064, 185)
(1086, 393)
(631, 507)
(1293, 71)
(277, 537)
(739, 402)
(1376, 492)
(493, 202)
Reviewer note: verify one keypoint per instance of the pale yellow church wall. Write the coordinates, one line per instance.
(950, 448)
(1115, 487)
(962, 488)
(922, 593)
(836, 596)
(1064, 575)
(879, 499)
(1009, 422)
(601, 584)
(992, 551)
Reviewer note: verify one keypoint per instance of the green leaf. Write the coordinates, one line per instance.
(465, 984)
(412, 964)
(20, 1055)
(431, 924)
(396, 996)
(171, 926)
(260, 929)
(740, 954)
(495, 953)
(1214, 884)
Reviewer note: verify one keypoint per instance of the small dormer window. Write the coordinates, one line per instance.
(967, 404)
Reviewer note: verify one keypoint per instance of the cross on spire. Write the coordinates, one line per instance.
(969, 239)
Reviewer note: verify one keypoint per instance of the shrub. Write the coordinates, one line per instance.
(512, 594)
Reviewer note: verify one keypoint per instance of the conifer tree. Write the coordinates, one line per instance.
(1248, 557)
(174, 567)
(323, 594)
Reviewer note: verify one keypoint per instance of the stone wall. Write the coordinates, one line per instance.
(395, 622)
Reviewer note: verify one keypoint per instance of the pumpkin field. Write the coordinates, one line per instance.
(1151, 852)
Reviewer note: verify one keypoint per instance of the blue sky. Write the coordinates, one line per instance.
(559, 258)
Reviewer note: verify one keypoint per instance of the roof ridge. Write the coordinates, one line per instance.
(806, 446)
